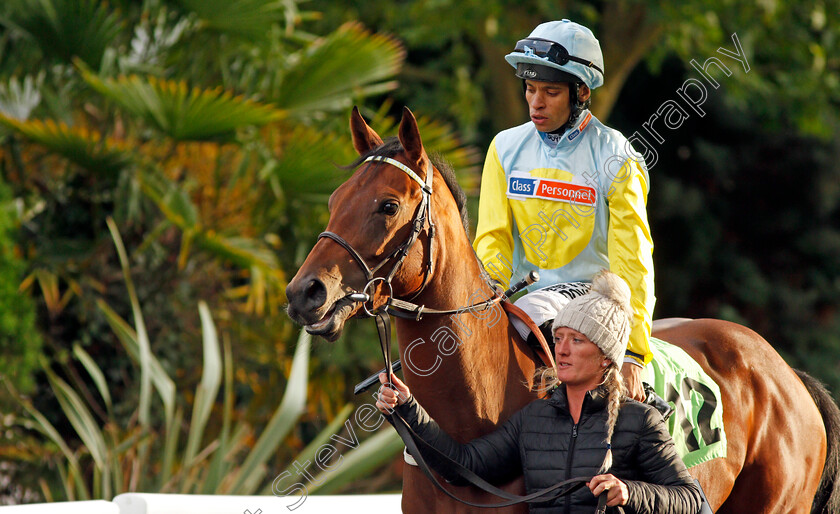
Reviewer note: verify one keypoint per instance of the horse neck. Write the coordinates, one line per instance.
(460, 366)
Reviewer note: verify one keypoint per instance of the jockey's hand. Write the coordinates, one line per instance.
(391, 394)
(617, 493)
(633, 380)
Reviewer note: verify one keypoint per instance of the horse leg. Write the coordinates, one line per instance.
(716, 477)
(785, 456)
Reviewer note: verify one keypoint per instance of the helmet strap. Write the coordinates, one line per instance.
(576, 107)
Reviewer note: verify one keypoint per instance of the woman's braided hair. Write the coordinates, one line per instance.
(616, 392)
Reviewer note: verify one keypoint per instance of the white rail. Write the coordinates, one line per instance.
(148, 503)
(86, 507)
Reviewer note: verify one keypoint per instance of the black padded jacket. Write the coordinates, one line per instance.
(543, 443)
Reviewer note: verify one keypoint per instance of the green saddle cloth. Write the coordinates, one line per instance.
(697, 422)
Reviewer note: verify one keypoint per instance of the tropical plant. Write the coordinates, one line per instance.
(209, 133)
(151, 453)
(20, 342)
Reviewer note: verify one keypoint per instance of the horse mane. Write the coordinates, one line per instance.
(392, 146)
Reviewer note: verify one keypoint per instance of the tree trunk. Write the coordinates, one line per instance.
(626, 34)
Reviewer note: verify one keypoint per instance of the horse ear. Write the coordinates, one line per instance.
(410, 136)
(365, 138)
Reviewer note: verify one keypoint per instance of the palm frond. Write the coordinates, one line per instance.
(297, 172)
(252, 19)
(80, 145)
(267, 278)
(181, 112)
(348, 64)
(66, 28)
(172, 200)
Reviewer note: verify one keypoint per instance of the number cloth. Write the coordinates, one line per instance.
(697, 422)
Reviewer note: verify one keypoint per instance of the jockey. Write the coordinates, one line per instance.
(564, 194)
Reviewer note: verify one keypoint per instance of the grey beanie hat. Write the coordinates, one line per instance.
(603, 315)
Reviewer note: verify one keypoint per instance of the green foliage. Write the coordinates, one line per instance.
(20, 342)
(65, 29)
(180, 112)
(745, 226)
(249, 18)
(79, 145)
(114, 458)
(203, 136)
(348, 63)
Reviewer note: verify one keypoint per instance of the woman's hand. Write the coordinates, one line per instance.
(632, 374)
(391, 394)
(616, 489)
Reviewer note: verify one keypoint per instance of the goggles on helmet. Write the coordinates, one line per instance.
(555, 52)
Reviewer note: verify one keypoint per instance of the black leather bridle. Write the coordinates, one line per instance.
(423, 217)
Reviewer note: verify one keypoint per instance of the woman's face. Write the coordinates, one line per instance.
(579, 362)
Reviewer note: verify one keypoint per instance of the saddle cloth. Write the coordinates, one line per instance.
(697, 422)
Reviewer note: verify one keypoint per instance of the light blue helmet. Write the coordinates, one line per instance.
(565, 46)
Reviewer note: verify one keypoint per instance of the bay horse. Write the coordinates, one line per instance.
(472, 371)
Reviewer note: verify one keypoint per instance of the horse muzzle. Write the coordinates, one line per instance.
(310, 307)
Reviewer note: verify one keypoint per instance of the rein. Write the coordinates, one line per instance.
(410, 438)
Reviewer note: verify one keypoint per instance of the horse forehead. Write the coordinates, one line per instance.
(371, 182)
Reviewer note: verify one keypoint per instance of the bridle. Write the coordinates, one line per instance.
(406, 309)
(423, 217)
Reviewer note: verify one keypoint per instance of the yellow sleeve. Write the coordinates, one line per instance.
(630, 249)
(494, 234)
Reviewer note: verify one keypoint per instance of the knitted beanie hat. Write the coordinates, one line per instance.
(602, 315)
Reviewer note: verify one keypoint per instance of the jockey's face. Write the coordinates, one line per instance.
(548, 103)
(580, 363)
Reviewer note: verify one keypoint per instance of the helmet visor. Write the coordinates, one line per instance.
(554, 52)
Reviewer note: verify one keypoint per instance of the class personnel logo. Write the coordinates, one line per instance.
(548, 189)
(576, 132)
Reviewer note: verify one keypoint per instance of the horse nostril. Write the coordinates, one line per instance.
(315, 294)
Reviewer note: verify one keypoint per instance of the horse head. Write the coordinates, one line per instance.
(377, 240)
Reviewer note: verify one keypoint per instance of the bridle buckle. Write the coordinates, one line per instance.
(368, 292)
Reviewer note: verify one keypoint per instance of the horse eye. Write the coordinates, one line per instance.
(390, 208)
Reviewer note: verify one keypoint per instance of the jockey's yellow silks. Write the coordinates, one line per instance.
(569, 205)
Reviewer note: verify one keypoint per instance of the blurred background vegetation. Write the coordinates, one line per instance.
(202, 137)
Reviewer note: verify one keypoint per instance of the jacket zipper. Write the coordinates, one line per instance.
(569, 459)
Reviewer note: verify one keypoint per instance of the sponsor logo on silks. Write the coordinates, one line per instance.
(547, 189)
(576, 132)
(521, 186)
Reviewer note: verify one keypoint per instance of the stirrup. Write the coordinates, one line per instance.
(657, 402)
